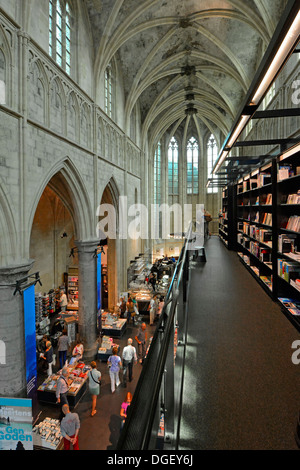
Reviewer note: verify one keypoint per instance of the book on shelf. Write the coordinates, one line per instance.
(289, 267)
(267, 218)
(292, 305)
(263, 179)
(286, 243)
(293, 198)
(265, 236)
(284, 172)
(293, 223)
(268, 199)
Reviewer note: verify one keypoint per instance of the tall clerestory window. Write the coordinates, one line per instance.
(60, 19)
(192, 166)
(212, 155)
(108, 90)
(173, 181)
(157, 186)
(157, 174)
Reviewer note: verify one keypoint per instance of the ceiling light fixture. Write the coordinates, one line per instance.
(281, 55)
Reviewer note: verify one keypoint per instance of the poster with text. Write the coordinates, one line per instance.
(16, 424)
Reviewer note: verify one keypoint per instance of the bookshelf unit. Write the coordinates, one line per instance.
(267, 222)
(227, 226)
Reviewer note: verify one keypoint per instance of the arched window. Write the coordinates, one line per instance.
(157, 186)
(192, 166)
(108, 83)
(60, 19)
(173, 167)
(157, 174)
(212, 154)
(2, 78)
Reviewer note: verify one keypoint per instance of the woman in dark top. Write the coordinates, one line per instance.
(48, 357)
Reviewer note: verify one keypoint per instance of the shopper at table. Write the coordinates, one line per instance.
(63, 301)
(77, 352)
(114, 363)
(124, 408)
(94, 376)
(69, 428)
(62, 387)
(130, 310)
(152, 307)
(122, 307)
(62, 347)
(141, 339)
(129, 358)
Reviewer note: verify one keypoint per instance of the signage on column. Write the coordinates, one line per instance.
(30, 341)
(16, 424)
(98, 282)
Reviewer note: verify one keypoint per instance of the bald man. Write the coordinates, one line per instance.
(69, 428)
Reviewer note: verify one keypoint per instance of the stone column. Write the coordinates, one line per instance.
(12, 333)
(87, 296)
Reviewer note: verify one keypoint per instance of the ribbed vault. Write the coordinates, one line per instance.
(176, 55)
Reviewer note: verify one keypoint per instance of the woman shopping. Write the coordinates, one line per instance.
(94, 385)
(124, 408)
(114, 363)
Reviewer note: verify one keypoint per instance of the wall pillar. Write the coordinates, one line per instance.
(87, 296)
(12, 333)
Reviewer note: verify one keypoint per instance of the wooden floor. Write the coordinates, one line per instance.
(241, 389)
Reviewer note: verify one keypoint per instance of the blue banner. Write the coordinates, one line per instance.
(30, 341)
(98, 282)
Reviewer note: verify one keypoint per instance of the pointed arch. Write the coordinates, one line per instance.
(66, 181)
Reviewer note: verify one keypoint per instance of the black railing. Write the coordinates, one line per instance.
(159, 390)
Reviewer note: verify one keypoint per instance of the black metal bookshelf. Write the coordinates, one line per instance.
(265, 232)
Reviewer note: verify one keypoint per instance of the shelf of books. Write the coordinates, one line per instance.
(223, 219)
(227, 230)
(288, 224)
(254, 224)
(268, 229)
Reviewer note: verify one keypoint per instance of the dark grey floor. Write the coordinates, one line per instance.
(241, 389)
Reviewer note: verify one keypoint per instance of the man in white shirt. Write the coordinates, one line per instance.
(128, 358)
(63, 301)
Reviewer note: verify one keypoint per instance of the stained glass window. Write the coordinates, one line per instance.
(173, 180)
(60, 33)
(212, 155)
(192, 166)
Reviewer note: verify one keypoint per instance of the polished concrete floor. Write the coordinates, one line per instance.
(241, 389)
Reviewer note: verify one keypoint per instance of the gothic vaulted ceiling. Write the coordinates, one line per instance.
(185, 62)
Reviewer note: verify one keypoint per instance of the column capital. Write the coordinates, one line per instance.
(86, 246)
(13, 273)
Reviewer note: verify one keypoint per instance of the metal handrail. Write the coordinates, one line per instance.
(143, 415)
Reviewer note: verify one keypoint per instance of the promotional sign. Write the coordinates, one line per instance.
(30, 341)
(98, 282)
(16, 424)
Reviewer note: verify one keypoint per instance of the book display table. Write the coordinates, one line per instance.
(77, 385)
(47, 435)
(105, 349)
(112, 325)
